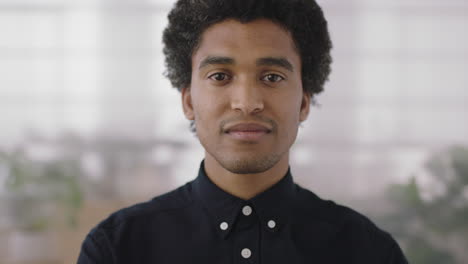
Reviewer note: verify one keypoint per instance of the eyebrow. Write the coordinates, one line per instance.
(273, 61)
(210, 60)
(267, 61)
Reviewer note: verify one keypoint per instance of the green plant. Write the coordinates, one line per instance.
(433, 228)
(36, 188)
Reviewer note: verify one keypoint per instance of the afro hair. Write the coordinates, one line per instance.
(304, 19)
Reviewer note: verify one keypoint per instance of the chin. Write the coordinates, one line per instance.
(248, 165)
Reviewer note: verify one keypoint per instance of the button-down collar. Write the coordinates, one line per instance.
(286, 224)
(274, 204)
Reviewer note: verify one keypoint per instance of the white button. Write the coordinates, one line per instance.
(271, 224)
(224, 225)
(246, 253)
(247, 210)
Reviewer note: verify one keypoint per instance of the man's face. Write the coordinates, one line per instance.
(246, 95)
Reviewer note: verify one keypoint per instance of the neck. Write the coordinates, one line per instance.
(245, 186)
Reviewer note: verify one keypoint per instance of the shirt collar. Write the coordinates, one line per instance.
(274, 204)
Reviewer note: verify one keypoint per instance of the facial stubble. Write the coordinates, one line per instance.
(250, 161)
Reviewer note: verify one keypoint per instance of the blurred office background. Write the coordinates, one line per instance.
(88, 123)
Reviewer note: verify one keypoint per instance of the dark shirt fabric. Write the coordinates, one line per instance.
(200, 223)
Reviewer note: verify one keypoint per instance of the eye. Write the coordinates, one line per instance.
(272, 78)
(219, 77)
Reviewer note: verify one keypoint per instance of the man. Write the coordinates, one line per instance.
(247, 71)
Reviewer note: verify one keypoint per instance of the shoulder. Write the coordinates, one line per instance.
(349, 229)
(141, 214)
(126, 227)
(339, 216)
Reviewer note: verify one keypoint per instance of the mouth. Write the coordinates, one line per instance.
(248, 131)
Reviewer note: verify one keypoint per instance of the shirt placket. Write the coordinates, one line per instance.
(246, 237)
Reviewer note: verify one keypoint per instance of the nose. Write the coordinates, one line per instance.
(247, 97)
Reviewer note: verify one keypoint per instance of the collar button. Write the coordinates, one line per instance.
(247, 210)
(246, 253)
(224, 226)
(271, 224)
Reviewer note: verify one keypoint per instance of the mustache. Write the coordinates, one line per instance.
(242, 119)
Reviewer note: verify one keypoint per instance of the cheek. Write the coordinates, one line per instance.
(289, 117)
(206, 108)
(289, 107)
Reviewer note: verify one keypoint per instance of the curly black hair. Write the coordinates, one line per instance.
(304, 19)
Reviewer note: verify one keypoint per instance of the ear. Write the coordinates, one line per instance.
(187, 103)
(305, 107)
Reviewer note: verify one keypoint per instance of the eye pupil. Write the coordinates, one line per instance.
(219, 77)
(273, 77)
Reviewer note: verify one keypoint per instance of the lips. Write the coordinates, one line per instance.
(249, 127)
(248, 131)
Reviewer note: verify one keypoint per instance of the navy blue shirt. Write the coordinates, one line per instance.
(200, 223)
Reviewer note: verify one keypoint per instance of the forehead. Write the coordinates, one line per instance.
(252, 40)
